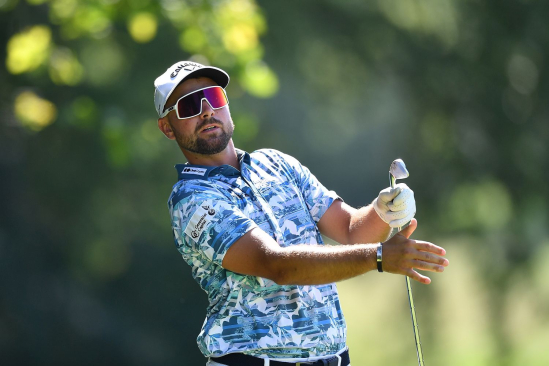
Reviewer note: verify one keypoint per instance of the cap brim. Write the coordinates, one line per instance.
(217, 75)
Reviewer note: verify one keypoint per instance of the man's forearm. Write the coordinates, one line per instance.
(348, 225)
(366, 227)
(256, 253)
(313, 265)
(309, 265)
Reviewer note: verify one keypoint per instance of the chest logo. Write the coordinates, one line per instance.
(194, 171)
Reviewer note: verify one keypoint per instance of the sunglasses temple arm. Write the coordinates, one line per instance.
(167, 111)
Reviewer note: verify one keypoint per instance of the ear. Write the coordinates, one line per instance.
(164, 126)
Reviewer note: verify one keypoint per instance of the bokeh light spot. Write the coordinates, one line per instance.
(246, 128)
(150, 131)
(29, 49)
(65, 67)
(103, 62)
(523, 74)
(6, 5)
(34, 112)
(116, 139)
(84, 111)
(142, 27)
(91, 20)
(438, 18)
(62, 9)
(192, 39)
(259, 80)
(240, 38)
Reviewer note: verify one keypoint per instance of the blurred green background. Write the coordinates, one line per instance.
(89, 273)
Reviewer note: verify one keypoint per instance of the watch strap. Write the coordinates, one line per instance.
(379, 257)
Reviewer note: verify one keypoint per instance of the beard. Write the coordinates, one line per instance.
(210, 145)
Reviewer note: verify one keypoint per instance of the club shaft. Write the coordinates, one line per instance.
(414, 323)
(419, 352)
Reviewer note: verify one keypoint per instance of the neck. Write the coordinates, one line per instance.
(227, 156)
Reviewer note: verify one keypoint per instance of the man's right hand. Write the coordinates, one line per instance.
(402, 255)
(396, 206)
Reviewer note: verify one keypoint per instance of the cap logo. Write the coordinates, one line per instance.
(187, 66)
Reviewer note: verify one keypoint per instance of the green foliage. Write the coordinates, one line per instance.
(90, 44)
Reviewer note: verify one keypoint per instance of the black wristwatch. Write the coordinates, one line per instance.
(380, 257)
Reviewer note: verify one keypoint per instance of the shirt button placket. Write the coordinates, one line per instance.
(264, 205)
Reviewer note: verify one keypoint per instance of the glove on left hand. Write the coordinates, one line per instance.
(396, 206)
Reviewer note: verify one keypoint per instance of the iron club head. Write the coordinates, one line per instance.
(398, 169)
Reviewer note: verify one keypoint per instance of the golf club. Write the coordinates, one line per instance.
(398, 171)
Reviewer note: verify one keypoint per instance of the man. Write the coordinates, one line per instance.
(250, 225)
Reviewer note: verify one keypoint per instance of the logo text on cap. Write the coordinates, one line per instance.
(188, 66)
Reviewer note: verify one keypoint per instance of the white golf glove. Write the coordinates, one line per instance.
(396, 206)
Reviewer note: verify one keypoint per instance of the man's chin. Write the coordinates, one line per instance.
(211, 146)
(206, 146)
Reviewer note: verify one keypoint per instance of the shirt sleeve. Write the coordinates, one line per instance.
(317, 197)
(206, 221)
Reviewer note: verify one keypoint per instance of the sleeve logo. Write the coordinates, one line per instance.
(200, 220)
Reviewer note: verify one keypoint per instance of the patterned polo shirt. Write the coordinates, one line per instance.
(211, 208)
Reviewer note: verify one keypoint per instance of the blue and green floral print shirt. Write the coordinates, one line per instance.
(211, 208)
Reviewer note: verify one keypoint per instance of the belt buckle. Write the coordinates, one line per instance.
(333, 361)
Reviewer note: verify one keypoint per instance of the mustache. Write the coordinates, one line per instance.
(208, 121)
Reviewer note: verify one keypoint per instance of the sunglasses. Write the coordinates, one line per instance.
(190, 105)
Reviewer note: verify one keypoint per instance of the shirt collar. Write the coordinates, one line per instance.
(243, 157)
(190, 171)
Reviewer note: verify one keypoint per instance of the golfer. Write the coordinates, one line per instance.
(250, 225)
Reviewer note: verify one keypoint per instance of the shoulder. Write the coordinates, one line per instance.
(195, 190)
(275, 157)
(266, 153)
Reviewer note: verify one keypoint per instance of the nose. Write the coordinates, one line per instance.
(207, 110)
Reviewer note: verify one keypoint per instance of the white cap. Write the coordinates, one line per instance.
(175, 74)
